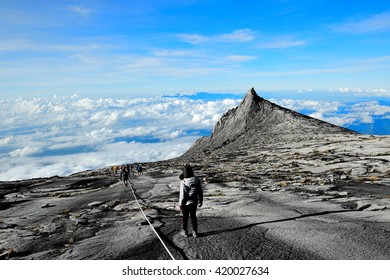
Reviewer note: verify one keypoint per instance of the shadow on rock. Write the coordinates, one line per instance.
(210, 233)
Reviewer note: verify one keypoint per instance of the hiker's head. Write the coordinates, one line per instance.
(187, 171)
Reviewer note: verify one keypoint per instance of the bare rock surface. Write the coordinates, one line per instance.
(277, 185)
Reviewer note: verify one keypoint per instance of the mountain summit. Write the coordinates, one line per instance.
(257, 120)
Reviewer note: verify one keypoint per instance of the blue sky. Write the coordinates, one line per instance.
(149, 48)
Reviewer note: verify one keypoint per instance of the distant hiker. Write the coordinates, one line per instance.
(125, 177)
(139, 169)
(115, 169)
(191, 197)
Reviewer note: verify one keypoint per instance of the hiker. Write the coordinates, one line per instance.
(125, 176)
(122, 170)
(139, 169)
(115, 169)
(191, 197)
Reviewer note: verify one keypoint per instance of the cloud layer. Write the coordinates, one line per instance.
(349, 115)
(43, 137)
(62, 135)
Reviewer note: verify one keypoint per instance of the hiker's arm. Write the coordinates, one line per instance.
(200, 194)
(181, 198)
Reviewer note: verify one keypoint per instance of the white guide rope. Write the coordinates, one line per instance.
(162, 242)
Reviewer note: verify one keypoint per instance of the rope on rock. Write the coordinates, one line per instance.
(162, 242)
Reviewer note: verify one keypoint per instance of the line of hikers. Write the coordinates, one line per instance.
(130, 168)
(126, 170)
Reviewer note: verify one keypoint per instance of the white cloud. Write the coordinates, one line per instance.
(193, 38)
(175, 53)
(245, 35)
(240, 58)
(240, 35)
(338, 113)
(105, 118)
(85, 103)
(98, 135)
(237, 36)
(6, 140)
(26, 151)
(374, 23)
(77, 51)
(282, 43)
(15, 45)
(106, 155)
(360, 92)
(29, 107)
(81, 10)
(311, 105)
(371, 108)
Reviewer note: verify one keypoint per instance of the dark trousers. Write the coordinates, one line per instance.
(190, 210)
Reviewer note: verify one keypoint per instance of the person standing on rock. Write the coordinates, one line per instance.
(139, 169)
(191, 197)
(131, 169)
(125, 177)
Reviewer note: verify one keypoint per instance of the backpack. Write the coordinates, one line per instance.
(191, 191)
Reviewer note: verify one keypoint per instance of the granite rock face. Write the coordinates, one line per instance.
(256, 121)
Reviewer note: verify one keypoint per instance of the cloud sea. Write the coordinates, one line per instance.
(47, 136)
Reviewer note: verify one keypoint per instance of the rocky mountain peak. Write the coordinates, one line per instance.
(250, 98)
(257, 121)
(237, 120)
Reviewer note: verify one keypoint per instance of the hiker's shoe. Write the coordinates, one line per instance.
(184, 233)
(195, 234)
